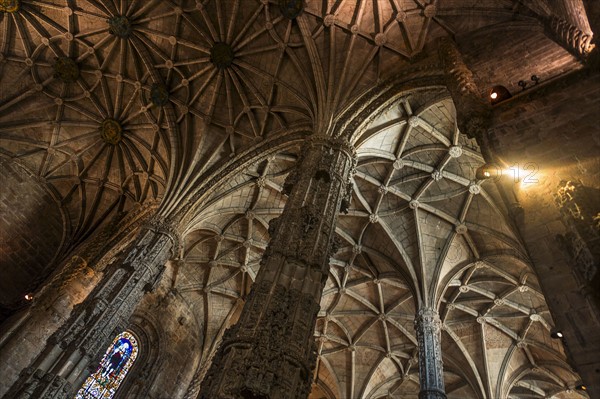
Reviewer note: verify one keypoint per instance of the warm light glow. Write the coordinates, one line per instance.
(556, 334)
(494, 95)
(28, 297)
(526, 174)
(582, 387)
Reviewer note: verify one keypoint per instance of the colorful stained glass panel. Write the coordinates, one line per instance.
(113, 368)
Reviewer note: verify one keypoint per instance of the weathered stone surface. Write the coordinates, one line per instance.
(270, 352)
(429, 334)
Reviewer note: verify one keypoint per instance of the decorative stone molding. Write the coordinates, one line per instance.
(570, 37)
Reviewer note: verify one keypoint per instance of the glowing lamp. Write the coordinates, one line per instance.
(29, 297)
(499, 93)
(581, 387)
(556, 334)
(488, 171)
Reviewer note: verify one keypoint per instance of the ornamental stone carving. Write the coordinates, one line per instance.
(570, 37)
(472, 114)
(10, 5)
(428, 327)
(78, 344)
(580, 213)
(120, 26)
(66, 69)
(270, 352)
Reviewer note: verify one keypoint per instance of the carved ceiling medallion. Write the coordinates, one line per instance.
(9, 5)
(66, 69)
(111, 131)
(159, 95)
(291, 9)
(119, 26)
(221, 54)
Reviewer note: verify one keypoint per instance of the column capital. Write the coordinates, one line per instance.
(338, 143)
(167, 227)
(428, 318)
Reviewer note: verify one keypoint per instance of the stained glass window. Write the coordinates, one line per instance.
(113, 368)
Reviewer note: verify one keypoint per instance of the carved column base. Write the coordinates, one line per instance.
(270, 360)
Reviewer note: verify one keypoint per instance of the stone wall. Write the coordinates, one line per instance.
(507, 53)
(31, 231)
(554, 133)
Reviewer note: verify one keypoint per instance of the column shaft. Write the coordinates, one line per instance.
(429, 336)
(270, 353)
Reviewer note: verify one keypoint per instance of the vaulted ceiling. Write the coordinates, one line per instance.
(421, 229)
(109, 104)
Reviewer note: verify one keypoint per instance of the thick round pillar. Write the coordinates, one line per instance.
(270, 353)
(429, 336)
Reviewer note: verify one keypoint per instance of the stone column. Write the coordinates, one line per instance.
(429, 336)
(270, 353)
(20, 342)
(76, 348)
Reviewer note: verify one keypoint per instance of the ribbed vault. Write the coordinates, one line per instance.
(421, 229)
(113, 103)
